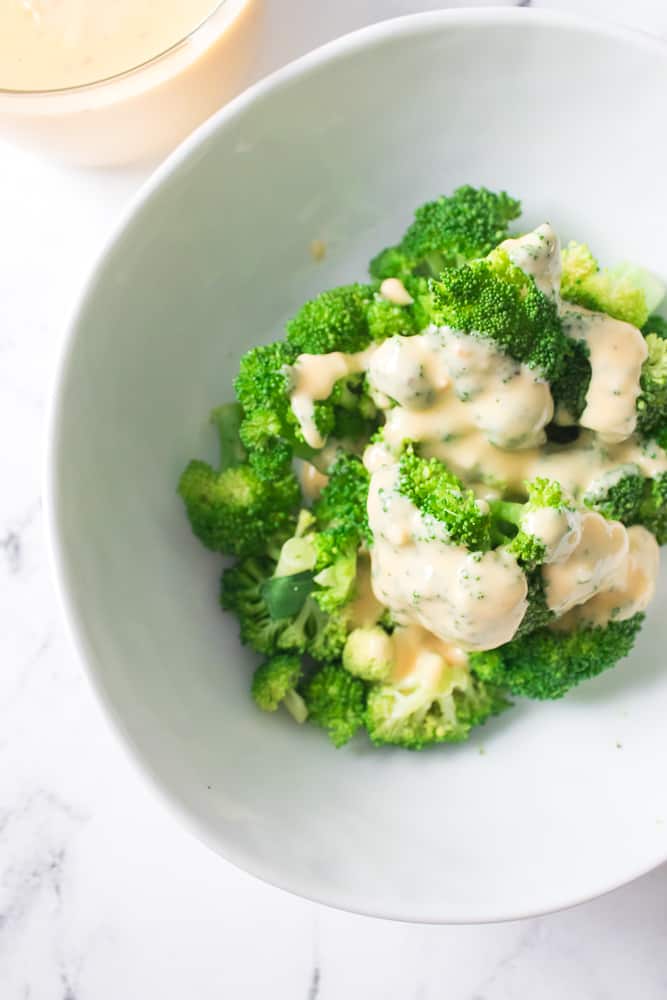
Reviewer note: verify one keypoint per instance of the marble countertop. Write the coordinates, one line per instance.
(102, 894)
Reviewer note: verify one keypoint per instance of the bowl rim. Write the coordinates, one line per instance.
(66, 588)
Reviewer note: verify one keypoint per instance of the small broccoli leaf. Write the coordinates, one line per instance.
(227, 418)
(286, 595)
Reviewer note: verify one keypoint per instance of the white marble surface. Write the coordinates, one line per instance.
(102, 895)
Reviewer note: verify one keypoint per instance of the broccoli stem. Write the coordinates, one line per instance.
(296, 706)
(227, 418)
(505, 514)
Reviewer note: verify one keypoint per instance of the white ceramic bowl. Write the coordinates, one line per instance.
(548, 805)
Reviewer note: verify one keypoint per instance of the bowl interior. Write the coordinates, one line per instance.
(551, 803)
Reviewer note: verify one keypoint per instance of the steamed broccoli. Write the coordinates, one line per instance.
(652, 404)
(538, 612)
(656, 324)
(547, 663)
(510, 520)
(235, 511)
(340, 510)
(336, 320)
(274, 684)
(274, 600)
(570, 387)
(494, 298)
(386, 319)
(268, 430)
(653, 508)
(437, 492)
(621, 498)
(369, 653)
(241, 592)
(446, 232)
(430, 708)
(336, 701)
(625, 292)
(304, 570)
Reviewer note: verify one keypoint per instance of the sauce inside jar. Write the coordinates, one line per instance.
(55, 44)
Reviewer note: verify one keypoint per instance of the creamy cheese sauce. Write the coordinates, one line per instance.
(616, 351)
(365, 609)
(393, 290)
(484, 415)
(626, 591)
(313, 378)
(473, 600)
(582, 468)
(50, 44)
(558, 529)
(538, 254)
(590, 567)
(312, 481)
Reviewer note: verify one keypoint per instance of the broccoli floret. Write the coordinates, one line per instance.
(274, 684)
(653, 509)
(436, 491)
(336, 320)
(235, 511)
(569, 389)
(625, 292)
(496, 299)
(269, 430)
(652, 403)
(509, 520)
(336, 701)
(386, 319)
(449, 231)
(634, 499)
(657, 325)
(369, 653)
(274, 600)
(336, 580)
(621, 500)
(537, 613)
(430, 708)
(545, 664)
(341, 507)
(227, 419)
(241, 592)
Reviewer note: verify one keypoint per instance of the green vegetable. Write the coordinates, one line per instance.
(436, 491)
(447, 232)
(286, 595)
(336, 320)
(418, 712)
(509, 520)
(625, 292)
(496, 299)
(368, 653)
(652, 404)
(335, 701)
(547, 663)
(235, 511)
(274, 684)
